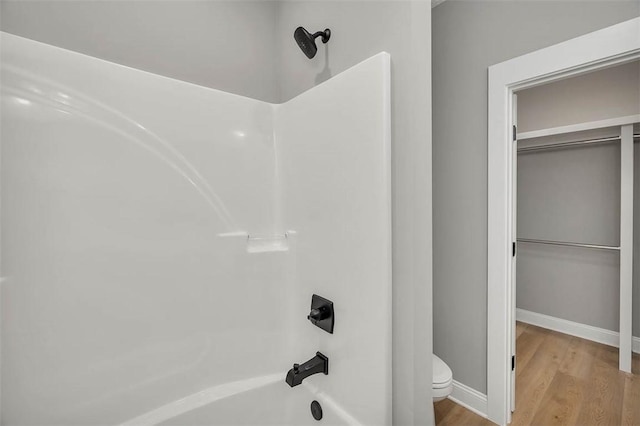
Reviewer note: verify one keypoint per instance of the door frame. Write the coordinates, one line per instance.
(610, 46)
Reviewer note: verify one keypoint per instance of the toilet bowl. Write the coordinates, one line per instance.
(442, 379)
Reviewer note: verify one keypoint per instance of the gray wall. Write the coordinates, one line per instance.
(227, 45)
(570, 195)
(359, 30)
(467, 37)
(609, 93)
(574, 195)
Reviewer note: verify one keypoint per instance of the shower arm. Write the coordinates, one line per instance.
(324, 34)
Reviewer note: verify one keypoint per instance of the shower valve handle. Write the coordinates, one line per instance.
(318, 314)
(322, 313)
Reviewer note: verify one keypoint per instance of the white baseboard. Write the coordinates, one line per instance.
(600, 335)
(469, 398)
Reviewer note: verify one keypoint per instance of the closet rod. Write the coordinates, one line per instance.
(563, 243)
(572, 143)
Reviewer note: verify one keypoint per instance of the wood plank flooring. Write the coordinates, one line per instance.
(562, 380)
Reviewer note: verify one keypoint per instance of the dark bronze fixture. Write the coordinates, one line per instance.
(307, 41)
(322, 314)
(317, 364)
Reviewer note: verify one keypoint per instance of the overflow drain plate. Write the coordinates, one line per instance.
(316, 410)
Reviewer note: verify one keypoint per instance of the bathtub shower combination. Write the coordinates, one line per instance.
(162, 243)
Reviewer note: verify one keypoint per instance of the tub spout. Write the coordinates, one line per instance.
(317, 364)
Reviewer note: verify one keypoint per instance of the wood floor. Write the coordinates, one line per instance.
(563, 380)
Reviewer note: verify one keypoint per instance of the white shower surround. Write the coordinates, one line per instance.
(161, 242)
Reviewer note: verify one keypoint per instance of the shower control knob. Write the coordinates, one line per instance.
(296, 368)
(322, 314)
(318, 314)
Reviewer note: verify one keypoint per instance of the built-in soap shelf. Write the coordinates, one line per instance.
(267, 243)
(262, 243)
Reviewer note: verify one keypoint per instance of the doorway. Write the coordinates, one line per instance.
(573, 186)
(612, 46)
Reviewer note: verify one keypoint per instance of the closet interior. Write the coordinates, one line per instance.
(578, 208)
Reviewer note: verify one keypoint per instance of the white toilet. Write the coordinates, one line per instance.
(442, 379)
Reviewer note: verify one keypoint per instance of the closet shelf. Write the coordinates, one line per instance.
(571, 144)
(568, 244)
(572, 128)
(568, 144)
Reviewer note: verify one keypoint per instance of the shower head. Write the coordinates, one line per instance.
(307, 41)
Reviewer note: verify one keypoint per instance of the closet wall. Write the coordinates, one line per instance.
(574, 195)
